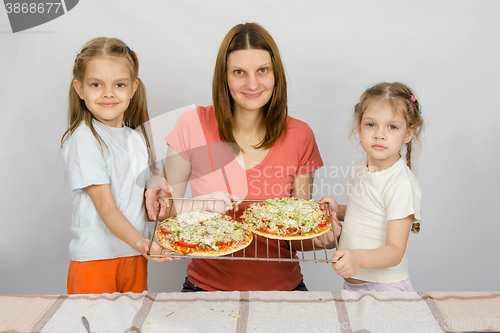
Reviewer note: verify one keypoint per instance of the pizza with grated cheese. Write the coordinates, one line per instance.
(287, 218)
(202, 233)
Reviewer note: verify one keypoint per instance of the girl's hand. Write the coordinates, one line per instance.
(349, 262)
(143, 247)
(388, 255)
(324, 241)
(331, 202)
(157, 194)
(328, 240)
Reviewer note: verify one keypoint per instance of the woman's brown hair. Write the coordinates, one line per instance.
(137, 112)
(244, 37)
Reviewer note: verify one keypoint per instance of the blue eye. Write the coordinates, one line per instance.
(370, 125)
(392, 127)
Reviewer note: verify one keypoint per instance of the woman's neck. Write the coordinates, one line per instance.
(248, 128)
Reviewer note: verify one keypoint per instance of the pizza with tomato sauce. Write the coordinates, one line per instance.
(287, 218)
(203, 234)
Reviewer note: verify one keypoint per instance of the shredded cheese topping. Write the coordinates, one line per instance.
(285, 216)
(203, 229)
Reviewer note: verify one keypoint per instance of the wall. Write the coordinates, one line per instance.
(332, 50)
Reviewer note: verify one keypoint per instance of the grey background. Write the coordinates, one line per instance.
(447, 51)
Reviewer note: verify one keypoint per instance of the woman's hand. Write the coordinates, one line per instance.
(221, 203)
(157, 195)
(348, 264)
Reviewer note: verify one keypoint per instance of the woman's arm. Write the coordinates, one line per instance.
(388, 255)
(302, 186)
(117, 223)
(177, 171)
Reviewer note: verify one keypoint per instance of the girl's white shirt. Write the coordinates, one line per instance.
(123, 165)
(374, 199)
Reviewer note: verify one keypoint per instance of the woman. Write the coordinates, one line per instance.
(244, 146)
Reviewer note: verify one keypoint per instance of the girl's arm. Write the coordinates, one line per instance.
(117, 223)
(330, 241)
(388, 255)
(340, 211)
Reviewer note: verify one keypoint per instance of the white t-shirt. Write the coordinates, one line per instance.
(374, 199)
(119, 165)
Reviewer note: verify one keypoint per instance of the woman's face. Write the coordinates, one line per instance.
(250, 79)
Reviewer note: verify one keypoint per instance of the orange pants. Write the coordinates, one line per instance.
(108, 276)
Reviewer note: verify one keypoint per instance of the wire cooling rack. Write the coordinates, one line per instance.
(218, 205)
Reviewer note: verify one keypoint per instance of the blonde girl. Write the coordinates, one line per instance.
(384, 195)
(102, 154)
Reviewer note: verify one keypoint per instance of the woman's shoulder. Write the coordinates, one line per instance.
(193, 127)
(206, 114)
(200, 113)
(291, 121)
(298, 128)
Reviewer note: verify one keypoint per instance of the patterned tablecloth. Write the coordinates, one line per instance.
(255, 311)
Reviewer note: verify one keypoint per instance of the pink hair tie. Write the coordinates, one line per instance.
(413, 99)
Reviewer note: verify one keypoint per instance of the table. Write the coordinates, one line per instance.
(254, 311)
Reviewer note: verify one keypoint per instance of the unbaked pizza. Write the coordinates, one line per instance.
(287, 218)
(202, 233)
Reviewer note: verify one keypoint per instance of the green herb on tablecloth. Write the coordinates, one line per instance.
(234, 315)
(171, 313)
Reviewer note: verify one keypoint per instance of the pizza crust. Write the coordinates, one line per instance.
(293, 236)
(225, 251)
(211, 253)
